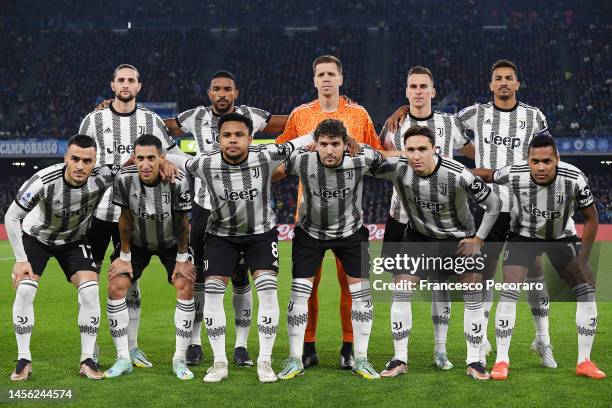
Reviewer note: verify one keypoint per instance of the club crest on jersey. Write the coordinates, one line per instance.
(256, 172)
(522, 124)
(439, 131)
(141, 130)
(443, 188)
(559, 198)
(349, 174)
(165, 198)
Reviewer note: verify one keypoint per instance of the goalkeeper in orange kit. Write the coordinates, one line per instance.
(303, 120)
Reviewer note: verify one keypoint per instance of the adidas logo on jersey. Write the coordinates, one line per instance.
(312, 176)
(217, 177)
(108, 130)
(487, 122)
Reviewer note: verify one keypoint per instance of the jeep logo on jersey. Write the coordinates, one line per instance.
(239, 195)
(546, 214)
(507, 141)
(71, 213)
(433, 206)
(337, 193)
(120, 148)
(153, 217)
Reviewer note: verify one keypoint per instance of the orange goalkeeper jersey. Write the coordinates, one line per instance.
(305, 118)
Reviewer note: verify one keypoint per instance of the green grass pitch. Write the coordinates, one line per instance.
(56, 351)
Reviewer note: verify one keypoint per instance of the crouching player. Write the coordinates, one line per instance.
(153, 221)
(543, 194)
(56, 205)
(434, 192)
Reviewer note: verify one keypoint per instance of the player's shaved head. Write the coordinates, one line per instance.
(331, 128)
(326, 59)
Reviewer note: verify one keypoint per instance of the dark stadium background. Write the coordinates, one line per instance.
(57, 57)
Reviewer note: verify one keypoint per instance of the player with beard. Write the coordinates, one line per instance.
(115, 129)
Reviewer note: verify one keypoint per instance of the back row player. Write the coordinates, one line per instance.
(115, 129)
(502, 131)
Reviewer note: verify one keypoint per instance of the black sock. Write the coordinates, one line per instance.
(347, 347)
(310, 347)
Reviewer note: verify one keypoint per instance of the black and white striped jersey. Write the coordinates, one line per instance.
(437, 205)
(115, 134)
(59, 213)
(203, 124)
(449, 136)
(544, 212)
(240, 193)
(152, 207)
(331, 197)
(501, 136)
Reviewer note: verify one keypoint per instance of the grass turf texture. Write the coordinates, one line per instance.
(56, 350)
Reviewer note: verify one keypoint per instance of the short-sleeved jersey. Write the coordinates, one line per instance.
(331, 207)
(152, 207)
(115, 134)
(240, 193)
(449, 136)
(544, 212)
(203, 124)
(59, 213)
(501, 136)
(437, 205)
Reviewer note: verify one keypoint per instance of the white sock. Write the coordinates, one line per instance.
(401, 323)
(473, 324)
(487, 304)
(132, 300)
(586, 319)
(23, 316)
(118, 320)
(505, 319)
(243, 303)
(297, 315)
(184, 313)
(267, 315)
(362, 311)
(198, 295)
(214, 318)
(440, 316)
(539, 303)
(89, 317)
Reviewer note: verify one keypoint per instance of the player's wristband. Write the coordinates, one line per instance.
(125, 256)
(182, 257)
